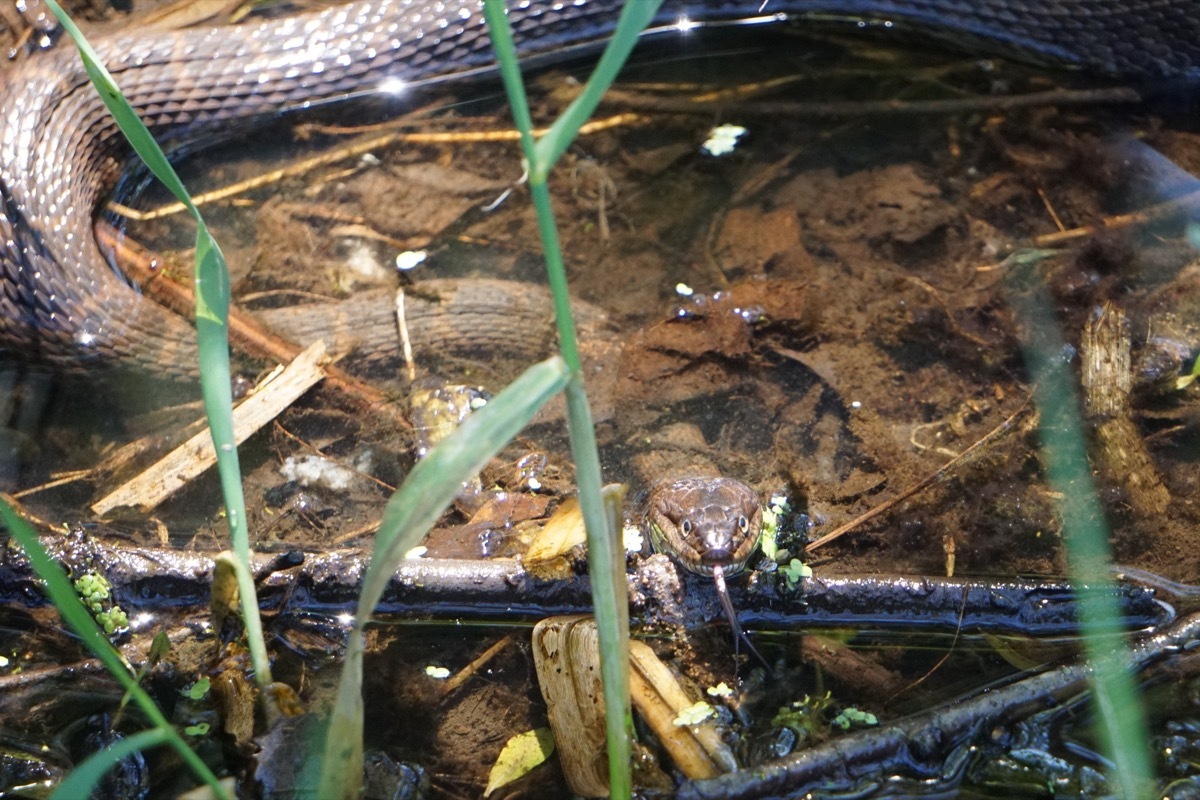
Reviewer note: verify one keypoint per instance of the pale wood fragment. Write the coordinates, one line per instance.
(1107, 378)
(173, 471)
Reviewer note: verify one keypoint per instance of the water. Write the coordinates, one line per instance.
(850, 331)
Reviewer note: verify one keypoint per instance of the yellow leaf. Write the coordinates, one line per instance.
(521, 754)
(561, 532)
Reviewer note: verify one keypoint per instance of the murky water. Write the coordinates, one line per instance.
(826, 312)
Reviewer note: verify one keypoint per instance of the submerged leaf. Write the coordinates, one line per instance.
(520, 755)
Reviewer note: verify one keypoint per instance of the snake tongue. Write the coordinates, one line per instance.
(739, 635)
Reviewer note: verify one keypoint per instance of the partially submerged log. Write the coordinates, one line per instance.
(161, 580)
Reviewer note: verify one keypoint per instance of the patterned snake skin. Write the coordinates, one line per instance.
(61, 304)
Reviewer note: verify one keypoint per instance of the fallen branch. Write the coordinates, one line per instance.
(919, 746)
(161, 580)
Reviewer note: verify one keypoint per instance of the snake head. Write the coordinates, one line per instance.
(704, 522)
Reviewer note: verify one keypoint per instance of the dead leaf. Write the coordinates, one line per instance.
(521, 754)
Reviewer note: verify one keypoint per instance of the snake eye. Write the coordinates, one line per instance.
(743, 523)
(686, 526)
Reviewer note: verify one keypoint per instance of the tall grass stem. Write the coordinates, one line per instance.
(1120, 722)
(605, 553)
(212, 333)
(429, 489)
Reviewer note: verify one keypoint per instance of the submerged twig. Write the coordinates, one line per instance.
(350, 151)
(927, 740)
(921, 484)
(1106, 375)
(194, 456)
(855, 108)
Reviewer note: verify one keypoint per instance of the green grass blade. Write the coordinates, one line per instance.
(604, 548)
(86, 775)
(429, 489)
(212, 315)
(437, 479)
(510, 72)
(635, 16)
(62, 594)
(1120, 722)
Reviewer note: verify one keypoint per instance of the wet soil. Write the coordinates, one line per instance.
(848, 327)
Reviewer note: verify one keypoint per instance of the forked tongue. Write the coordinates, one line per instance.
(739, 635)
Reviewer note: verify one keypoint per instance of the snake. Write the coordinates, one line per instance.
(707, 523)
(63, 305)
(711, 526)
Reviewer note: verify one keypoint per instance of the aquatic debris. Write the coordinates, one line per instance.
(520, 755)
(410, 259)
(313, 470)
(722, 140)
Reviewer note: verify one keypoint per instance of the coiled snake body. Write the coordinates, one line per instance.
(60, 303)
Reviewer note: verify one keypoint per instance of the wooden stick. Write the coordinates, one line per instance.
(196, 455)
